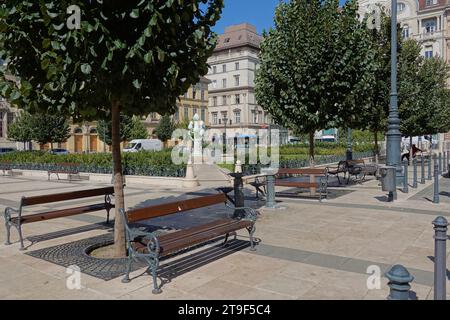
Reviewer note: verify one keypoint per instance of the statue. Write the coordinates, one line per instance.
(197, 131)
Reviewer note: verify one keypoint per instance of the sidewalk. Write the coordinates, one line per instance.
(307, 251)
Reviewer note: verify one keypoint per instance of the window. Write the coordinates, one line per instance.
(202, 95)
(215, 101)
(195, 111)
(203, 114)
(194, 93)
(254, 116)
(401, 7)
(224, 68)
(226, 40)
(224, 83)
(430, 26)
(430, 2)
(176, 116)
(236, 80)
(236, 65)
(237, 116)
(224, 100)
(186, 113)
(260, 118)
(9, 118)
(214, 84)
(405, 32)
(214, 117)
(214, 69)
(428, 52)
(237, 99)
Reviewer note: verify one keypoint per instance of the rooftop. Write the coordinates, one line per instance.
(239, 35)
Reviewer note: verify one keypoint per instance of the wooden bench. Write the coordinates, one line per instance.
(321, 173)
(152, 247)
(359, 169)
(20, 219)
(342, 167)
(5, 166)
(64, 168)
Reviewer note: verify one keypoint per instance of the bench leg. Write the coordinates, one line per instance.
(126, 278)
(19, 229)
(251, 232)
(154, 268)
(8, 232)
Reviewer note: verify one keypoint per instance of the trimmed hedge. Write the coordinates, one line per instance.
(145, 163)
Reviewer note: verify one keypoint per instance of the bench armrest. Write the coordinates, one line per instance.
(8, 212)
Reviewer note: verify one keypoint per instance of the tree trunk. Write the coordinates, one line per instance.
(119, 229)
(311, 149)
(51, 146)
(376, 149)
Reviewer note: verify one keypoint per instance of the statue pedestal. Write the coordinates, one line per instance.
(190, 181)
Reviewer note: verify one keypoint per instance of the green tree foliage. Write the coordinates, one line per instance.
(21, 129)
(51, 129)
(165, 129)
(138, 129)
(424, 99)
(131, 57)
(316, 66)
(104, 129)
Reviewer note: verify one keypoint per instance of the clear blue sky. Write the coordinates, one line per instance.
(257, 12)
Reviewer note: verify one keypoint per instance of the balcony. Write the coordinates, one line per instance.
(428, 35)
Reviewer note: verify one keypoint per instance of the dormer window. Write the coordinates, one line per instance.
(226, 40)
(401, 7)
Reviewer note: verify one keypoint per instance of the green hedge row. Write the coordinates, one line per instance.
(148, 163)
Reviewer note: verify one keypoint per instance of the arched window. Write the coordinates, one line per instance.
(405, 31)
(78, 131)
(93, 131)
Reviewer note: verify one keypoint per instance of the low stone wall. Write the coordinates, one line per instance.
(105, 178)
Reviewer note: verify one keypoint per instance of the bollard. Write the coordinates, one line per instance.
(440, 256)
(436, 182)
(444, 163)
(414, 173)
(270, 180)
(399, 283)
(239, 200)
(440, 163)
(430, 177)
(422, 170)
(405, 176)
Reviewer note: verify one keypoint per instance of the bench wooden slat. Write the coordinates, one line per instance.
(174, 207)
(199, 236)
(62, 213)
(29, 201)
(307, 171)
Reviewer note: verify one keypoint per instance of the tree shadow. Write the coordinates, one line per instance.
(69, 232)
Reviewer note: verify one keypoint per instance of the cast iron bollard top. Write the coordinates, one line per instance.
(399, 279)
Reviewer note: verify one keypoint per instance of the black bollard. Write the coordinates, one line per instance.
(405, 177)
(440, 256)
(399, 283)
(436, 182)
(415, 174)
(239, 200)
(422, 170)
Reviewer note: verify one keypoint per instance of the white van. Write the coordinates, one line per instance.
(144, 145)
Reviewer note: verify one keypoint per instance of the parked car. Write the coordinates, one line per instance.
(6, 150)
(144, 144)
(58, 151)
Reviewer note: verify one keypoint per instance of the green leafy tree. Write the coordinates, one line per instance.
(21, 129)
(138, 129)
(165, 129)
(46, 128)
(104, 129)
(316, 66)
(128, 57)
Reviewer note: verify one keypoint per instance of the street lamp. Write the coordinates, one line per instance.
(349, 145)
(393, 134)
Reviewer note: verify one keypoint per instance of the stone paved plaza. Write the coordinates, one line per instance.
(309, 250)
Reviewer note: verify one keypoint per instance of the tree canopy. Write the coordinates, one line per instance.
(316, 65)
(128, 57)
(165, 128)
